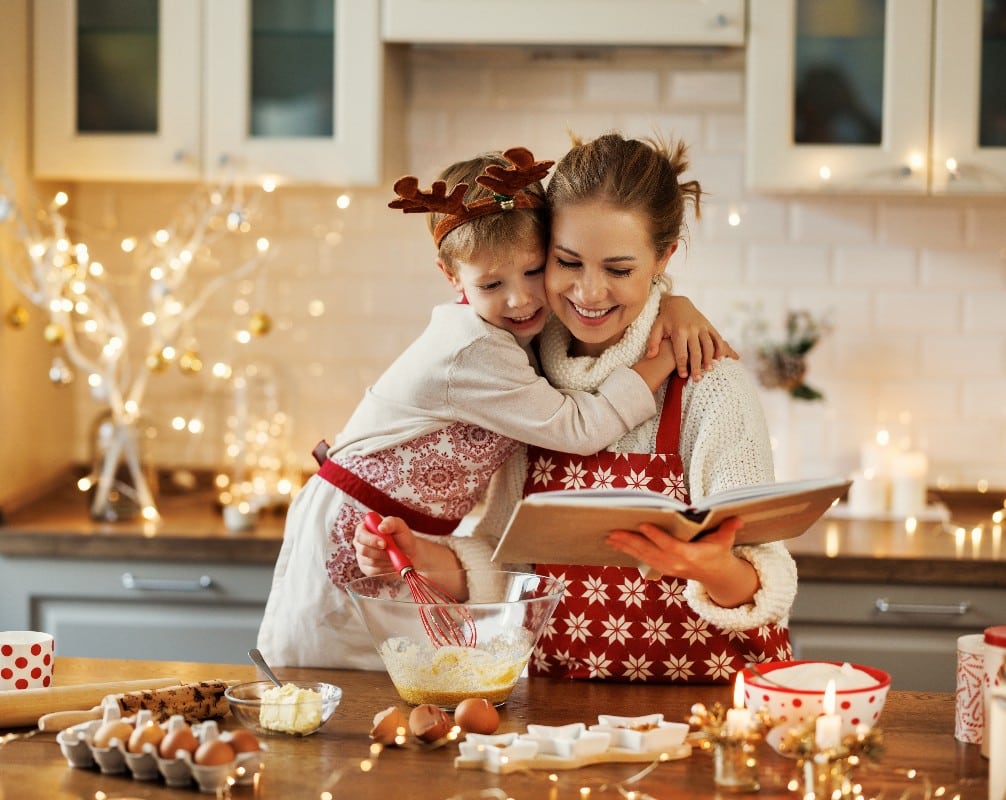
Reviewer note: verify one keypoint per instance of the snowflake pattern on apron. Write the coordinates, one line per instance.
(613, 624)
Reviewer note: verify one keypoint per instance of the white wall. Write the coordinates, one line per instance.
(916, 287)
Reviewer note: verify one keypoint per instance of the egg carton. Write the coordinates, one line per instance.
(612, 740)
(78, 747)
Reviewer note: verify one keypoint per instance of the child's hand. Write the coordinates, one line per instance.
(695, 341)
(371, 549)
(658, 368)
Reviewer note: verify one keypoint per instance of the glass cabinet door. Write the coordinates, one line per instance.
(969, 97)
(838, 95)
(294, 89)
(116, 89)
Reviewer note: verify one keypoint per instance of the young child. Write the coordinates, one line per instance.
(428, 435)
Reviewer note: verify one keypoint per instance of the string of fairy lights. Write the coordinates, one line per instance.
(93, 335)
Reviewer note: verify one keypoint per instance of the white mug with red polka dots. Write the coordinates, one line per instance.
(25, 660)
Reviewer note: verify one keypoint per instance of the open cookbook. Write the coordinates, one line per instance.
(570, 526)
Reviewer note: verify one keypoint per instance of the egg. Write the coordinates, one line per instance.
(113, 729)
(429, 722)
(214, 753)
(390, 727)
(477, 715)
(151, 733)
(178, 739)
(242, 741)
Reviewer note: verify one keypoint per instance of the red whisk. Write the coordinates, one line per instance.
(447, 622)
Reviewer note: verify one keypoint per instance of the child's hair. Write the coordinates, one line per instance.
(503, 230)
(640, 175)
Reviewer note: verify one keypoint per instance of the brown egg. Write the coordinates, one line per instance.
(179, 739)
(242, 741)
(113, 729)
(477, 715)
(429, 722)
(214, 753)
(151, 733)
(390, 727)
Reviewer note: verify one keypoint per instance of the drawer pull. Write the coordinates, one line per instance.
(200, 584)
(885, 606)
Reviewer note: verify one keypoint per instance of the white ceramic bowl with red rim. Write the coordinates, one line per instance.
(791, 707)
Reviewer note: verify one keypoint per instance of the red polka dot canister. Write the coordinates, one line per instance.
(25, 660)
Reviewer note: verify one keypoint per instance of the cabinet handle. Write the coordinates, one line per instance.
(200, 584)
(884, 606)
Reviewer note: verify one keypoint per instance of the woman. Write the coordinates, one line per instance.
(618, 210)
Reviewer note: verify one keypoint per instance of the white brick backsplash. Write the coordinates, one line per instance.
(918, 311)
(875, 265)
(921, 224)
(628, 88)
(956, 268)
(917, 287)
(823, 221)
(705, 87)
(787, 266)
(961, 355)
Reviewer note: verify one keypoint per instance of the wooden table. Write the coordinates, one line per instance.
(918, 732)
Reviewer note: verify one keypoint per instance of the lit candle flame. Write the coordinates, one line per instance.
(829, 698)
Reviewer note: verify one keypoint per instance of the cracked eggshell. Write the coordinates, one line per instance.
(429, 722)
(390, 726)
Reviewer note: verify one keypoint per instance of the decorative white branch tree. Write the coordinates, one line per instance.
(60, 276)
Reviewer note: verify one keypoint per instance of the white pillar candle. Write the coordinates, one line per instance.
(828, 727)
(908, 483)
(868, 493)
(738, 717)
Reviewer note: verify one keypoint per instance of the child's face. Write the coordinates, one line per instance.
(601, 265)
(506, 288)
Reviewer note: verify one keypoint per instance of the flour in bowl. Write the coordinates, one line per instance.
(815, 676)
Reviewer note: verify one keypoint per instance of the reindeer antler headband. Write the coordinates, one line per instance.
(506, 184)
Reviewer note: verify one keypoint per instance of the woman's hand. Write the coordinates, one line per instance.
(730, 581)
(696, 343)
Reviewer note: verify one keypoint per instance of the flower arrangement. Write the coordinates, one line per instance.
(782, 363)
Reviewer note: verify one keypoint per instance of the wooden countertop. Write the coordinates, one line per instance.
(918, 732)
(192, 529)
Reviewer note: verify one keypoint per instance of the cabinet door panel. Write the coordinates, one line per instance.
(300, 136)
(969, 97)
(893, 128)
(150, 631)
(657, 22)
(74, 136)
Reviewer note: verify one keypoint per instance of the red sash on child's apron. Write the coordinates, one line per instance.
(611, 623)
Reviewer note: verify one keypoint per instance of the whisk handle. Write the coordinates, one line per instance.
(399, 560)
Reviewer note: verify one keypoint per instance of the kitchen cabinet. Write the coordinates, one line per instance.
(157, 610)
(909, 631)
(885, 96)
(628, 22)
(208, 89)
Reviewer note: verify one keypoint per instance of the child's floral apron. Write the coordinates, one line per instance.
(613, 624)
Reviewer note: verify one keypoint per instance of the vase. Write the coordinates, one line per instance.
(122, 481)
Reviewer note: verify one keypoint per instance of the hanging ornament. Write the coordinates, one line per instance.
(17, 316)
(190, 363)
(54, 333)
(259, 324)
(59, 372)
(157, 361)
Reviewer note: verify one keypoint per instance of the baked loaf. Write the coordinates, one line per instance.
(194, 701)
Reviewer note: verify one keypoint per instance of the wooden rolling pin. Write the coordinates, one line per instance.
(23, 708)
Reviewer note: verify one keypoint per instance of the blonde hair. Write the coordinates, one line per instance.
(503, 230)
(641, 175)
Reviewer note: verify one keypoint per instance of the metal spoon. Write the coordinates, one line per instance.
(256, 656)
(754, 668)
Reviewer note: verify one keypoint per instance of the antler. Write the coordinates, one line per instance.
(524, 171)
(413, 201)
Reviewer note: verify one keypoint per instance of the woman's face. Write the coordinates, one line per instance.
(601, 264)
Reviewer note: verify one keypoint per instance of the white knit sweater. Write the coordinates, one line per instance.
(724, 444)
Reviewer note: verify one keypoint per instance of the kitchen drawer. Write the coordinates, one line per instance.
(909, 631)
(139, 610)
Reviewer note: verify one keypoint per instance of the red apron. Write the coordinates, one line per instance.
(613, 624)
